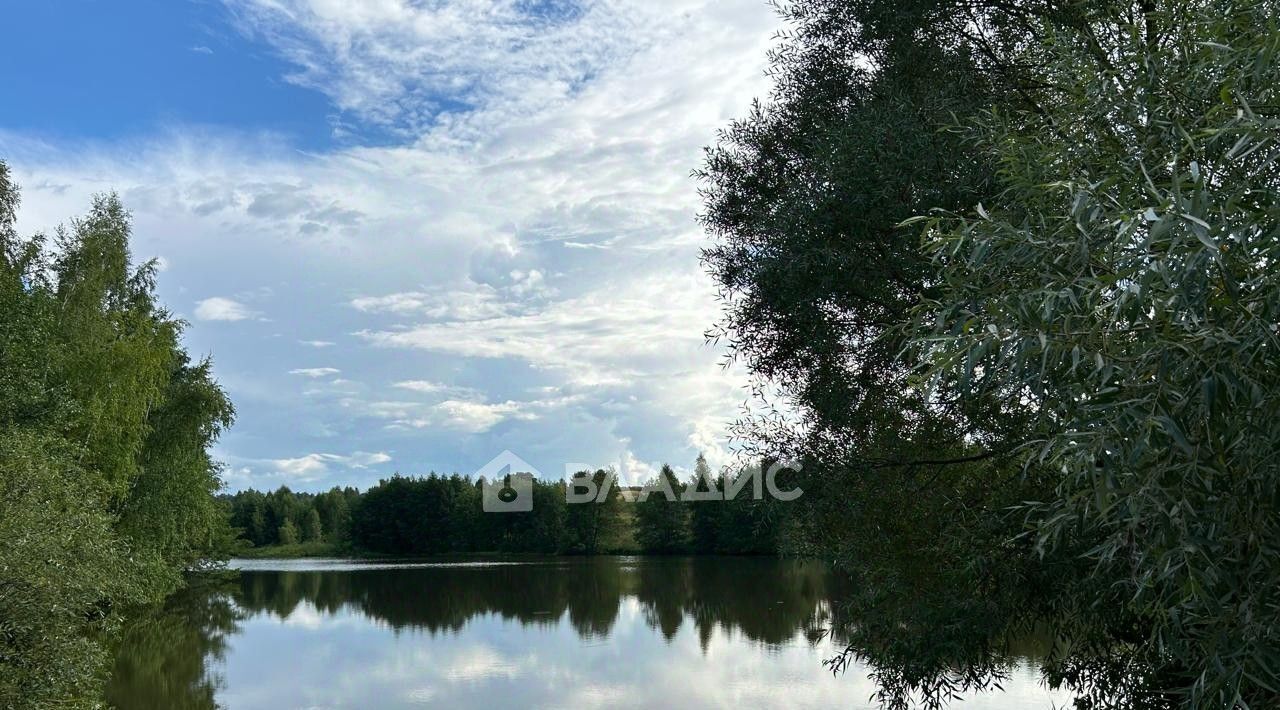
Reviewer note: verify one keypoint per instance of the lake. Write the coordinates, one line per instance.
(705, 632)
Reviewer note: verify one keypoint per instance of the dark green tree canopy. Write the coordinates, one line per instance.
(1056, 402)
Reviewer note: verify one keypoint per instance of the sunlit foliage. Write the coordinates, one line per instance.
(106, 486)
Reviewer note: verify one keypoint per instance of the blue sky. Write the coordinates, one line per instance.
(102, 70)
(411, 234)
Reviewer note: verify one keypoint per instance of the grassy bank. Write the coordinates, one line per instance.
(621, 542)
(325, 549)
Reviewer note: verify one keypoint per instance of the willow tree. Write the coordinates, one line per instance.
(1054, 412)
(1122, 291)
(805, 196)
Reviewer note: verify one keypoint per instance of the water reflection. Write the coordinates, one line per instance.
(559, 632)
(167, 658)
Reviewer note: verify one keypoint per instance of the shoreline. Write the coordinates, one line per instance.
(311, 550)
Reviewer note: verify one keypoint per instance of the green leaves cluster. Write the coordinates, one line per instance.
(1121, 290)
(1057, 410)
(106, 486)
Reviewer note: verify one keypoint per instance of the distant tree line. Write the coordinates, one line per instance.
(434, 514)
(284, 517)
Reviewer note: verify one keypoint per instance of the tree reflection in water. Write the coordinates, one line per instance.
(172, 656)
(165, 657)
(766, 600)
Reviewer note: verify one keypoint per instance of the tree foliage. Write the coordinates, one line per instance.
(423, 515)
(1055, 411)
(1121, 291)
(595, 527)
(106, 486)
(257, 517)
(662, 519)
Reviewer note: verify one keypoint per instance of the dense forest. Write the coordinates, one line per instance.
(106, 485)
(436, 514)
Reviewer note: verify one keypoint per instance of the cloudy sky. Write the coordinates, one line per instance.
(412, 233)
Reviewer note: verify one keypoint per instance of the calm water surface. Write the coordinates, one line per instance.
(538, 633)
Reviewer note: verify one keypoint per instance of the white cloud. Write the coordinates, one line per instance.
(404, 64)
(469, 416)
(313, 466)
(402, 303)
(634, 472)
(336, 387)
(532, 226)
(461, 409)
(308, 465)
(527, 282)
(423, 386)
(601, 337)
(471, 302)
(315, 372)
(317, 343)
(222, 309)
(475, 417)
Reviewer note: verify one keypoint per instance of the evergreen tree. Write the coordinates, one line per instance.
(258, 530)
(662, 524)
(311, 528)
(594, 526)
(706, 517)
(335, 514)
